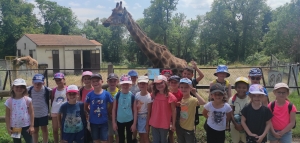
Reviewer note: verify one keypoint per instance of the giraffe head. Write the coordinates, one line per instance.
(118, 16)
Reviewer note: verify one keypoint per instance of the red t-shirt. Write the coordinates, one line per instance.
(281, 116)
(178, 95)
(161, 111)
(84, 93)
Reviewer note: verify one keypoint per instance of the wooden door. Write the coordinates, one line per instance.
(77, 62)
(95, 60)
(86, 60)
(55, 60)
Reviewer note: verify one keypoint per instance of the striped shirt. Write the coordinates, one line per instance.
(38, 102)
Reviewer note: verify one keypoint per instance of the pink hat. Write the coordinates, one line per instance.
(89, 73)
(72, 88)
(160, 78)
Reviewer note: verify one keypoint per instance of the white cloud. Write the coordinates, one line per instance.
(136, 6)
(73, 4)
(276, 3)
(84, 14)
(100, 6)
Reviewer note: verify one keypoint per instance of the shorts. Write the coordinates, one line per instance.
(111, 131)
(99, 131)
(141, 122)
(42, 121)
(54, 114)
(185, 136)
(71, 137)
(250, 139)
(286, 138)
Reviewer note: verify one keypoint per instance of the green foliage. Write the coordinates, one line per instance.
(258, 59)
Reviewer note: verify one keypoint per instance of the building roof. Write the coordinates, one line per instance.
(61, 40)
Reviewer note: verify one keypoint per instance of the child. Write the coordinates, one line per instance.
(134, 87)
(218, 113)
(124, 114)
(15, 116)
(112, 81)
(188, 72)
(237, 103)
(83, 91)
(71, 118)
(143, 104)
(221, 74)
(97, 100)
(174, 89)
(163, 109)
(284, 115)
(256, 118)
(166, 73)
(57, 99)
(255, 75)
(40, 102)
(185, 131)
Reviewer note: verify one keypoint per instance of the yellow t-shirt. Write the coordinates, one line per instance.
(113, 93)
(238, 104)
(187, 113)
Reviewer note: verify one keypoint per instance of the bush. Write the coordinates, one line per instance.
(258, 59)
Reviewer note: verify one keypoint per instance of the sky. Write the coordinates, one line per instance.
(91, 9)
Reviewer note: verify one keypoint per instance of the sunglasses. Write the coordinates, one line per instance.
(255, 78)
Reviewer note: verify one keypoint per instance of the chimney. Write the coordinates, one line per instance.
(83, 35)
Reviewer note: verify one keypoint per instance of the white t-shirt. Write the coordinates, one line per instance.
(19, 113)
(59, 99)
(239, 104)
(142, 102)
(217, 117)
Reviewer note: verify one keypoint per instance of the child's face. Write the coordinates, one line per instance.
(187, 74)
(59, 81)
(125, 87)
(161, 86)
(256, 98)
(221, 75)
(255, 79)
(72, 96)
(173, 84)
(97, 82)
(241, 88)
(20, 89)
(281, 93)
(218, 96)
(38, 85)
(86, 79)
(133, 79)
(112, 82)
(185, 88)
(143, 86)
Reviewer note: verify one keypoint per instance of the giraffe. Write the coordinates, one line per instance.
(158, 54)
(30, 62)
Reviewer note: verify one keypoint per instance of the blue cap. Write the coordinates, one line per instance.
(186, 80)
(38, 78)
(222, 69)
(255, 72)
(132, 73)
(174, 77)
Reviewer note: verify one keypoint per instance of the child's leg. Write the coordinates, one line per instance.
(171, 136)
(128, 131)
(163, 135)
(121, 128)
(55, 127)
(45, 133)
(26, 135)
(36, 135)
(214, 136)
(235, 134)
(155, 135)
(134, 135)
(95, 131)
(179, 134)
(111, 132)
(104, 132)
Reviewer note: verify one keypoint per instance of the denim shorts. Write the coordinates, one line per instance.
(141, 123)
(286, 138)
(99, 131)
(71, 137)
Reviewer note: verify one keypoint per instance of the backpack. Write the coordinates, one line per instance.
(9, 101)
(117, 99)
(47, 92)
(290, 106)
(80, 92)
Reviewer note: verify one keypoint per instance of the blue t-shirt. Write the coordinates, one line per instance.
(124, 111)
(71, 120)
(98, 106)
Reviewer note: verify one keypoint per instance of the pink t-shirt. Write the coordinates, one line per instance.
(84, 93)
(161, 111)
(281, 116)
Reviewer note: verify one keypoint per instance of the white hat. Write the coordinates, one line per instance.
(160, 78)
(256, 89)
(143, 79)
(72, 88)
(19, 81)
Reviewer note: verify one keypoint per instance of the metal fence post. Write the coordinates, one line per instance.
(9, 74)
(288, 82)
(110, 68)
(295, 79)
(46, 76)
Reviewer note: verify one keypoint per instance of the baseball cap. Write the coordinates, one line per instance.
(132, 73)
(281, 85)
(112, 76)
(186, 80)
(143, 79)
(38, 78)
(166, 72)
(256, 89)
(222, 69)
(217, 88)
(255, 72)
(19, 81)
(59, 75)
(96, 76)
(160, 78)
(125, 79)
(72, 88)
(174, 77)
(242, 79)
(87, 73)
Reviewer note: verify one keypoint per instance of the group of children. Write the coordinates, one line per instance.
(133, 104)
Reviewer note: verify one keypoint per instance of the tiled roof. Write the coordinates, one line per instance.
(96, 42)
(60, 40)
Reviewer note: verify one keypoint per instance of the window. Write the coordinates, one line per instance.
(31, 53)
(77, 52)
(55, 52)
(18, 53)
(25, 46)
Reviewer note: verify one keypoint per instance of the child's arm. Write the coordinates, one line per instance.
(267, 128)
(148, 117)
(114, 110)
(204, 112)
(201, 75)
(229, 92)
(243, 122)
(290, 125)
(173, 107)
(59, 117)
(228, 117)
(133, 127)
(275, 134)
(31, 113)
(7, 120)
(86, 109)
